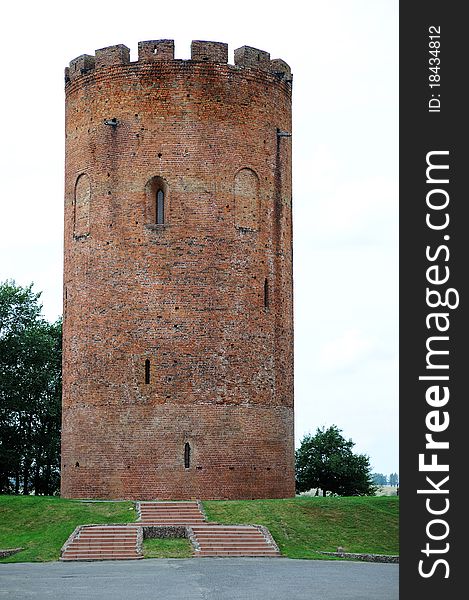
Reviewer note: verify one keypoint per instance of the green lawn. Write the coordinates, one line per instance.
(41, 524)
(301, 526)
(167, 548)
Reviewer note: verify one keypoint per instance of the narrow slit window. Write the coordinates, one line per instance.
(159, 207)
(147, 371)
(266, 294)
(187, 455)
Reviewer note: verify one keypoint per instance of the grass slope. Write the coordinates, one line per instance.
(41, 524)
(301, 526)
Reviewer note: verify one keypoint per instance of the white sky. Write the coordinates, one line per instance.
(344, 56)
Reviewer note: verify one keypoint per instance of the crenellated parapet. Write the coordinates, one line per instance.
(156, 50)
(209, 51)
(163, 50)
(247, 56)
(112, 55)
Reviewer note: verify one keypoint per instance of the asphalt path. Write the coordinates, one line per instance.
(201, 579)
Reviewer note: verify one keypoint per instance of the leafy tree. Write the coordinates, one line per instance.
(379, 479)
(326, 461)
(394, 479)
(30, 394)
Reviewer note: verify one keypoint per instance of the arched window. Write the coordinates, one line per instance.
(157, 205)
(160, 207)
(147, 370)
(187, 455)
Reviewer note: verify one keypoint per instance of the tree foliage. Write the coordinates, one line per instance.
(326, 461)
(379, 479)
(30, 394)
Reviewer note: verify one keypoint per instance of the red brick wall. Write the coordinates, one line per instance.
(187, 295)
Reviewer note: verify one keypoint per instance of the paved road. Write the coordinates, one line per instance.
(200, 579)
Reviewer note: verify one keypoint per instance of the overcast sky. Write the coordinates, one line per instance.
(344, 57)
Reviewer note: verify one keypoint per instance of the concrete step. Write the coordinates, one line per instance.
(240, 550)
(70, 557)
(227, 534)
(130, 528)
(165, 523)
(130, 533)
(168, 503)
(175, 519)
(232, 543)
(108, 542)
(103, 534)
(112, 542)
(232, 540)
(165, 517)
(180, 520)
(193, 510)
(98, 552)
(170, 510)
(124, 527)
(104, 546)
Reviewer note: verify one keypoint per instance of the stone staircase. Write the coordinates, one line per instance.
(169, 513)
(123, 542)
(233, 540)
(102, 542)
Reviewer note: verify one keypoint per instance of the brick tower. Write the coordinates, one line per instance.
(178, 323)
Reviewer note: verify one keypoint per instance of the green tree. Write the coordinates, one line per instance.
(394, 479)
(379, 479)
(30, 394)
(326, 461)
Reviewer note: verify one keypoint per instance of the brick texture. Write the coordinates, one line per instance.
(182, 332)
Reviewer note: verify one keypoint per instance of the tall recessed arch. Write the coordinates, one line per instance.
(81, 206)
(157, 201)
(187, 455)
(147, 370)
(266, 293)
(246, 195)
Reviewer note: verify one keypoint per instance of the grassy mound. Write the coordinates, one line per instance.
(301, 526)
(41, 524)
